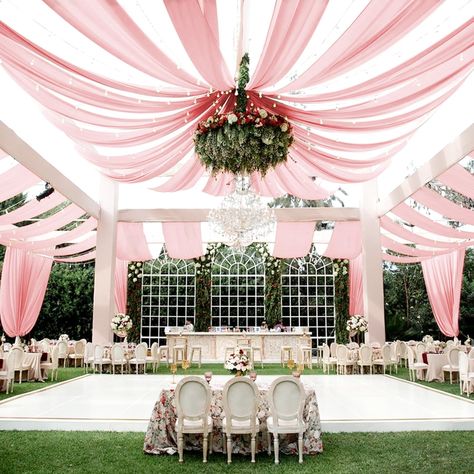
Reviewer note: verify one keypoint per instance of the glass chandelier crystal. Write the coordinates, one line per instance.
(242, 217)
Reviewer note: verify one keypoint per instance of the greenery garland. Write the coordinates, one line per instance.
(341, 298)
(243, 141)
(203, 266)
(134, 299)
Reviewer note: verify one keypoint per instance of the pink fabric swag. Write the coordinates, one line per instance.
(356, 298)
(293, 239)
(183, 239)
(24, 281)
(121, 282)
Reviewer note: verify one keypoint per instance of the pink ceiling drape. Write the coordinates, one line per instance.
(15, 181)
(459, 179)
(293, 239)
(24, 281)
(131, 242)
(120, 288)
(443, 280)
(183, 239)
(356, 299)
(346, 240)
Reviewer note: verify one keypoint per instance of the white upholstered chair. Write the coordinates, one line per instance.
(89, 357)
(286, 398)
(163, 351)
(63, 351)
(414, 366)
(403, 353)
(117, 357)
(8, 372)
(193, 405)
(365, 359)
(99, 359)
(17, 354)
(140, 358)
(466, 378)
(453, 362)
(327, 360)
(305, 351)
(153, 357)
(394, 359)
(343, 361)
(240, 397)
(78, 354)
(51, 364)
(386, 359)
(419, 349)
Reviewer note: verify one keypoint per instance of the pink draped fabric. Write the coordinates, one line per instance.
(413, 217)
(15, 181)
(398, 259)
(292, 26)
(57, 220)
(443, 280)
(380, 25)
(293, 239)
(31, 209)
(79, 259)
(24, 281)
(459, 179)
(444, 206)
(356, 298)
(200, 41)
(399, 231)
(108, 25)
(346, 240)
(121, 283)
(183, 239)
(398, 247)
(131, 242)
(43, 244)
(87, 244)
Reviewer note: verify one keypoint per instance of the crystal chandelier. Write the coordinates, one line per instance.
(242, 217)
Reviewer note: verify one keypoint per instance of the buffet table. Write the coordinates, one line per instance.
(214, 344)
(161, 438)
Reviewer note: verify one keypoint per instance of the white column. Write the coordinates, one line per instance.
(104, 305)
(372, 265)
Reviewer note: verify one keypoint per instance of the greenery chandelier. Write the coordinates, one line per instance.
(245, 140)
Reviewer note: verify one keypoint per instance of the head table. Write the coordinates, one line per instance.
(161, 437)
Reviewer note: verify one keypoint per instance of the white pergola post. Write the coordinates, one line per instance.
(104, 304)
(372, 265)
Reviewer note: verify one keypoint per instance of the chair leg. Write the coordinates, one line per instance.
(252, 445)
(180, 447)
(269, 443)
(229, 448)
(204, 448)
(211, 440)
(276, 448)
(300, 447)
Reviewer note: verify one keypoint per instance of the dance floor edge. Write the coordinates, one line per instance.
(374, 403)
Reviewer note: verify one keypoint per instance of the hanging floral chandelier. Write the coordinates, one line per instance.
(242, 142)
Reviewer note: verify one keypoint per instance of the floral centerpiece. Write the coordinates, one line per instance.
(243, 141)
(357, 324)
(64, 337)
(427, 339)
(121, 324)
(468, 341)
(237, 363)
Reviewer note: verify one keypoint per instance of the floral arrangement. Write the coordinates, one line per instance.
(121, 324)
(245, 140)
(357, 323)
(468, 341)
(135, 270)
(427, 339)
(64, 337)
(340, 266)
(237, 363)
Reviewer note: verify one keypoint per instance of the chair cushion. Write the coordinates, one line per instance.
(239, 424)
(420, 365)
(139, 361)
(194, 424)
(285, 425)
(102, 361)
(448, 368)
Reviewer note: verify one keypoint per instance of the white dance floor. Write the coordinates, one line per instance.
(346, 403)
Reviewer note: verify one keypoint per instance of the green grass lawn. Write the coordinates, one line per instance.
(63, 374)
(104, 452)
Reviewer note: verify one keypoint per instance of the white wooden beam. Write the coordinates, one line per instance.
(12, 144)
(438, 164)
(306, 214)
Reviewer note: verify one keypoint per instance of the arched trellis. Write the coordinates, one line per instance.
(238, 288)
(308, 296)
(168, 296)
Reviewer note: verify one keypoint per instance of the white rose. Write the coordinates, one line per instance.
(232, 118)
(284, 127)
(134, 280)
(132, 267)
(139, 264)
(263, 113)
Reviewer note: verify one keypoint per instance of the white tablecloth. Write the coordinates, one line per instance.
(32, 360)
(435, 367)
